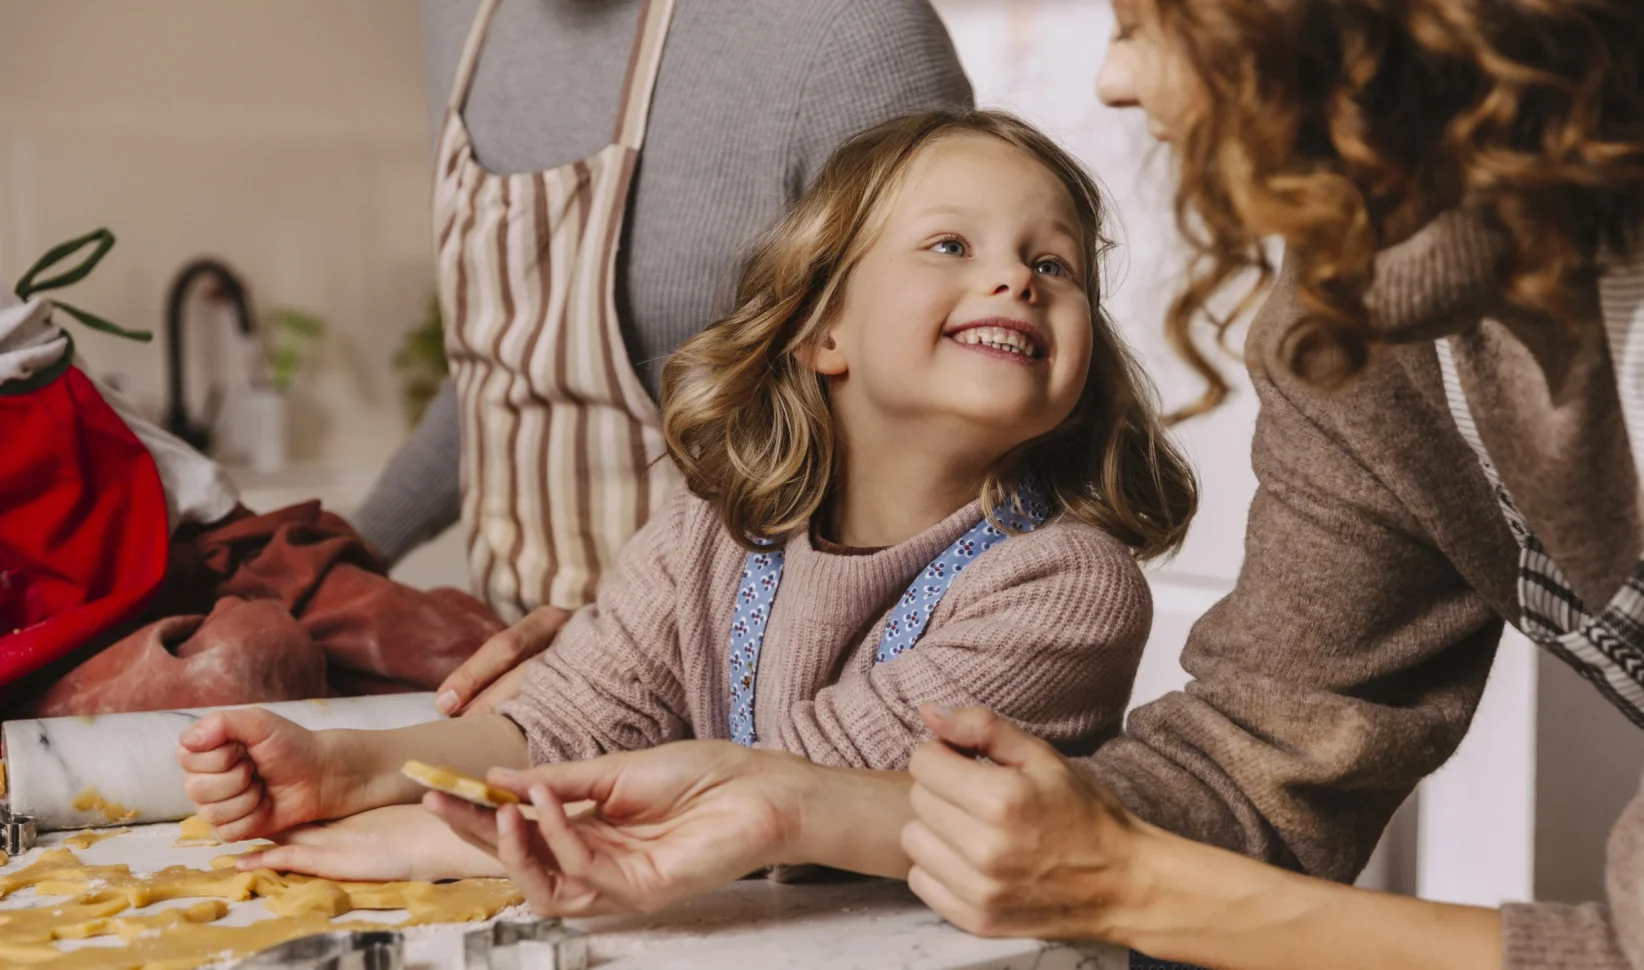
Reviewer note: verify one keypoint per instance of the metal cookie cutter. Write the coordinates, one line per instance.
(17, 832)
(342, 950)
(546, 944)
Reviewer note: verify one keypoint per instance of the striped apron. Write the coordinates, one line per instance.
(562, 451)
(1604, 645)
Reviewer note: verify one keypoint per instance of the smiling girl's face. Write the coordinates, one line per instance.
(1143, 71)
(969, 313)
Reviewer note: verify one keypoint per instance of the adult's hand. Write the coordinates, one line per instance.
(1025, 846)
(1028, 847)
(493, 673)
(672, 821)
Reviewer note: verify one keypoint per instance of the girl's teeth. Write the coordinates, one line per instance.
(999, 338)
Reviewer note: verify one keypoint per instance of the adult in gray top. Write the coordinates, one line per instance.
(751, 98)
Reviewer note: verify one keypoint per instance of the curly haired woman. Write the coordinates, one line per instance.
(1452, 429)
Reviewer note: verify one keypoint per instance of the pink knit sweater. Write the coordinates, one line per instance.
(1047, 628)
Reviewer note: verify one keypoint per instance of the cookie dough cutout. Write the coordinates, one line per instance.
(70, 921)
(174, 939)
(91, 837)
(91, 800)
(58, 864)
(464, 901)
(180, 945)
(453, 783)
(319, 896)
(130, 928)
(195, 832)
(172, 882)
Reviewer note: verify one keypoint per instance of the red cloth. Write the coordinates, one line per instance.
(83, 530)
(282, 606)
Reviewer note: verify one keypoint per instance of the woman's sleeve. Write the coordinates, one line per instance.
(1347, 661)
(419, 494)
(877, 60)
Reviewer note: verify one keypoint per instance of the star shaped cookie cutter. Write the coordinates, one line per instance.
(341, 950)
(545, 944)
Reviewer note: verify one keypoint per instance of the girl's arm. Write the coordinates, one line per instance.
(611, 681)
(1046, 628)
(470, 745)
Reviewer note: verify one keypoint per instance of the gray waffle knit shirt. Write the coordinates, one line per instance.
(752, 96)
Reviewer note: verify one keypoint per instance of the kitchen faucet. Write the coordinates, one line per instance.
(228, 286)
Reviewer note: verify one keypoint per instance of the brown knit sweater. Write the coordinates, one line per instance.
(1348, 660)
(1046, 628)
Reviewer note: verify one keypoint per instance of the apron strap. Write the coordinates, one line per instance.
(643, 67)
(470, 55)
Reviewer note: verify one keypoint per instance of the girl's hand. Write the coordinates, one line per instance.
(672, 821)
(1022, 847)
(399, 842)
(254, 773)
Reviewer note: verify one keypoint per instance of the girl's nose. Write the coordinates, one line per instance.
(1018, 281)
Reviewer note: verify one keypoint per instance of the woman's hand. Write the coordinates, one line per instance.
(1022, 847)
(400, 842)
(492, 674)
(1028, 847)
(672, 821)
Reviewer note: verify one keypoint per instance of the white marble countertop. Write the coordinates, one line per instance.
(754, 924)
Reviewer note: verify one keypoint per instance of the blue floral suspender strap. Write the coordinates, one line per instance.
(762, 576)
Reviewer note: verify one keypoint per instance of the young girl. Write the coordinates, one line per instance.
(921, 469)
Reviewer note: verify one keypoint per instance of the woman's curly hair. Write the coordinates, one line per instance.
(1342, 125)
(747, 419)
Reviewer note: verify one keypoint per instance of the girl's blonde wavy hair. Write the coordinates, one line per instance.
(1338, 125)
(747, 419)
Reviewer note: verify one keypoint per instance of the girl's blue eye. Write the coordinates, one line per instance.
(1051, 267)
(958, 247)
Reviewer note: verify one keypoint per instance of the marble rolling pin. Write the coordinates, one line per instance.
(118, 764)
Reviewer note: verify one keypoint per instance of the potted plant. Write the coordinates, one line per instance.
(420, 362)
(288, 337)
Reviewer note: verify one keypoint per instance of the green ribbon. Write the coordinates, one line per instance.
(102, 241)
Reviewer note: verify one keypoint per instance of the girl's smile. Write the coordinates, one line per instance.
(1016, 341)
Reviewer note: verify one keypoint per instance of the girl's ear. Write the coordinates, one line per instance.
(826, 358)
